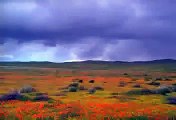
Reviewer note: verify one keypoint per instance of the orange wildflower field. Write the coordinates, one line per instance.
(134, 93)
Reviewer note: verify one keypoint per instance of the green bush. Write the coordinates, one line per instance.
(41, 98)
(72, 89)
(140, 92)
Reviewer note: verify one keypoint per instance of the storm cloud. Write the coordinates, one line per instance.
(60, 30)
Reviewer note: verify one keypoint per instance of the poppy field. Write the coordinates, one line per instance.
(88, 92)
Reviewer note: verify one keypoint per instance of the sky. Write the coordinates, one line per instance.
(75, 30)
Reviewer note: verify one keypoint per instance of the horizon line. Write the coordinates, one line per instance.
(92, 61)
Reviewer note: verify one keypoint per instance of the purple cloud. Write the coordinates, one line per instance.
(95, 29)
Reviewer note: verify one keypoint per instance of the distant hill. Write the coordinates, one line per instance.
(161, 61)
(157, 61)
(125, 62)
(163, 64)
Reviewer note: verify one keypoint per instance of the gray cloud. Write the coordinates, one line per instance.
(95, 29)
(74, 19)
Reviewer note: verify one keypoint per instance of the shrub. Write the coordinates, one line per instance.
(171, 100)
(99, 88)
(77, 80)
(24, 98)
(167, 79)
(92, 90)
(163, 90)
(39, 93)
(14, 96)
(41, 98)
(154, 83)
(72, 89)
(74, 84)
(27, 89)
(91, 81)
(145, 74)
(122, 84)
(173, 88)
(80, 81)
(140, 92)
(125, 74)
(137, 85)
(158, 78)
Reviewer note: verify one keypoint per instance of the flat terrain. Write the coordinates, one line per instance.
(88, 90)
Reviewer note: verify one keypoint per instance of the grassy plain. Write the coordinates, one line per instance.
(123, 91)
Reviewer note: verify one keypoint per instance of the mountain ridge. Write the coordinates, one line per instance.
(97, 61)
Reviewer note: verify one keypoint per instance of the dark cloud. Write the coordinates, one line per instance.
(76, 19)
(64, 20)
(95, 29)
